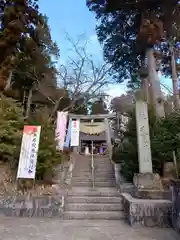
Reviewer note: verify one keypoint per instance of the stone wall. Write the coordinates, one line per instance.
(21, 206)
(63, 175)
(39, 200)
(147, 212)
(120, 181)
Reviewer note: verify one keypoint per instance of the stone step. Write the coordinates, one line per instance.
(88, 168)
(81, 171)
(95, 172)
(90, 181)
(97, 191)
(106, 161)
(99, 179)
(94, 199)
(108, 171)
(88, 184)
(95, 165)
(110, 215)
(104, 174)
(93, 207)
(99, 169)
(104, 171)
(102, 163)
(82, 176)
(101, 159)
(96, 175)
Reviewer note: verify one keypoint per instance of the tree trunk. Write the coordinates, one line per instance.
(8, 83)
(176, 98)
(29, 101)
(55, 108)
(168, 107)
(153, 78)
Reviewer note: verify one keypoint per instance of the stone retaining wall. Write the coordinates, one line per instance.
(147, 212)
(21, 206)
(63, 175)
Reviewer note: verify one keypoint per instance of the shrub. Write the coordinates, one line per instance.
(164, 136)
(11, 125)
(48, 156)
(11, 129)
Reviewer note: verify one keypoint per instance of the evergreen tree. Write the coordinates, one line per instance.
(164, 137)
(98, 107)
(11, 130)
(126, 28)
(25, 44)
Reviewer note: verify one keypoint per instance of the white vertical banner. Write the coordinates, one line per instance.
(29, 152)
(75, 128)
(61, 129)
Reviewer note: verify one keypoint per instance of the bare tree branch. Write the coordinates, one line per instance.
(82, 77)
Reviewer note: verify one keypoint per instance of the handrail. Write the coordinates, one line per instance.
(62, 202)
(92, 166)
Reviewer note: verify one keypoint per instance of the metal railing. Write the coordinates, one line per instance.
(92, 166)
(62, 202)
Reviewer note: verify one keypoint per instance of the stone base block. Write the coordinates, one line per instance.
(147, 181)
(152, 194)
(147, 212)
(169, 170)
(166, 182)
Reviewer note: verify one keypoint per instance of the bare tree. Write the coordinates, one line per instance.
(81, 77)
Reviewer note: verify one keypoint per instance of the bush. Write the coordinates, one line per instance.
(48, 156)
(11, 126)
(165, 138)
(11, 129)
(127, 154)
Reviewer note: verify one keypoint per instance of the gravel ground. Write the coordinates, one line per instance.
(56, 229)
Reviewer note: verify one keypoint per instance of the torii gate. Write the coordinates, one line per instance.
(105, 117)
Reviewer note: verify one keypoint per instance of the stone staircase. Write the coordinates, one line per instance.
(82, 173)
(85, 202)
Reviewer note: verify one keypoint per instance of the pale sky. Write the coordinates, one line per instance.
(63, 18)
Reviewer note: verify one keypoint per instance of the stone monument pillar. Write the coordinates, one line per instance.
(145, 178)
(143, 137)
